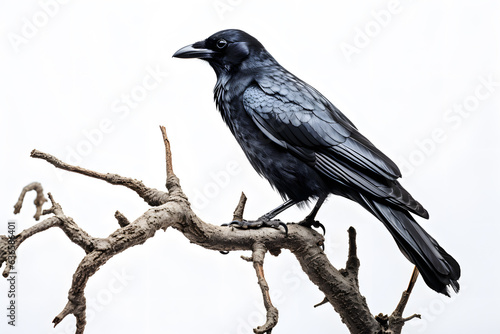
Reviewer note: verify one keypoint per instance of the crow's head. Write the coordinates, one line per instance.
(224, 50)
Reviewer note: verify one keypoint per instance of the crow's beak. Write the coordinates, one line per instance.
(196, 50)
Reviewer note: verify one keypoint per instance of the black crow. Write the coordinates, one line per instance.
(307, 149)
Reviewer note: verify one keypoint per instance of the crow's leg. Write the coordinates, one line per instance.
(309, 221)
(273, 213)
(265, 220)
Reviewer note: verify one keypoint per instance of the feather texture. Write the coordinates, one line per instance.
(306, 148)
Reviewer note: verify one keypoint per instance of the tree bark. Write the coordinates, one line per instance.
(171, 208)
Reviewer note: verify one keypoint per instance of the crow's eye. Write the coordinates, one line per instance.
(221, 43)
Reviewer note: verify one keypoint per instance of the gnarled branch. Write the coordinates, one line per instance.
(151, 196)
(172, 209)
(39, 200)
(258, 253)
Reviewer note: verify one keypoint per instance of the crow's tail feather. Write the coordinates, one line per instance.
(437, 267)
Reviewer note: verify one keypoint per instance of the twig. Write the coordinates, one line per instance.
(173, 184)
(258, 253)
(151, 196)
(323, 302)
(396, 321)
(122, 220)
(352, 263)
(406, 294)
(238, 216)
(77, 308)
(168, 152)
(240, 208)
(39, 200)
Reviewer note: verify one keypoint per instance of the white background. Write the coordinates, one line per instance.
(400, 70)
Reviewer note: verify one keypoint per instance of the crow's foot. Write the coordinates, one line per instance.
(255, 224)
(259, 223)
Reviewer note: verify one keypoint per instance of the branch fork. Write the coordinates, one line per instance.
(171, 208)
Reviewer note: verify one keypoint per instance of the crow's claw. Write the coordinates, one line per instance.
(313, 223)
(244, 224)
(286, 229)
(318, 224)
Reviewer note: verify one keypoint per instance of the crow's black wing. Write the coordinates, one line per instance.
(306, 110)
(297, 117)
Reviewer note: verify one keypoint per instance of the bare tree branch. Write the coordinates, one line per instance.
(398, 312)
(394, 323)
(151, 196)
(323, 302)
(339, 288)
(122, 220)
(396, 320)
(39, 200)
(258, 253)
(172, 209)
(352, 263)
(70, 228)
(172, 180)
(238, 212)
